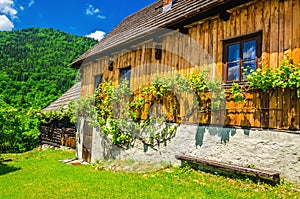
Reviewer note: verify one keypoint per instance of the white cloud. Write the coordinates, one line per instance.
(6, 7)
(5, 23)
(101, 17)
(31, 2)
(98, 35)
(91, 10)
(21, 8)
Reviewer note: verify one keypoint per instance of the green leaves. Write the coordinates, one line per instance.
(286, 75)
(237, 93)
(34, 65)
(119, 111)
(19, 131)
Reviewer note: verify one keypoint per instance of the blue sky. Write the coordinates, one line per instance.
(80, 17)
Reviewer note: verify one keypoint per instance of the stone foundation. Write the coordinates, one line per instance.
(278, 151)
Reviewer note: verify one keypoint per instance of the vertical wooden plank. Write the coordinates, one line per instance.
(281, 27)
(176, 51)
(294, 114)
(206, 40)
(202, 61)
(196, 58)
(279, 112)
(251, 105)
(233, 24)
(296, 32)
(257, 105)
(237, 14)
(215, 114)
(220, 31)
(167, 46)
(273, 107)
(286, 104)
(180, 51)
(274, 33)
(148, 64)
(251, 18)
(288, 20)
(259, 15)
(266, 34)
(210, 48)
(265, 109)
(298, 112)
(187, 54)
(244, 20)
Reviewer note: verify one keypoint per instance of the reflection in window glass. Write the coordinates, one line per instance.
(249, 51)
(125, 74)
(233, 53)
(98, 81)
(233, 72)
(248, 66)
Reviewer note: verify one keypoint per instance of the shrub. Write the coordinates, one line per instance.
(19, 129)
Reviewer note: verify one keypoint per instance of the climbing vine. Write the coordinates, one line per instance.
(125, 116)
(285, 76)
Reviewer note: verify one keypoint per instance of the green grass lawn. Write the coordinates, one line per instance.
(39, 174)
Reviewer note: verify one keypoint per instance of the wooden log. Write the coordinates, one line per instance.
(271, 177)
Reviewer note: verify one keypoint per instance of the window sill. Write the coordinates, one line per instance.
(229, 84)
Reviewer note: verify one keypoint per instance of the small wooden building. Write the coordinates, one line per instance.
(230, 33)
(61, 132)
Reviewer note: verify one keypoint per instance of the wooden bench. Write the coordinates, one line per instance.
(231, 170)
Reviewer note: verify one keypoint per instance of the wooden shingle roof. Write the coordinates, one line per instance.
(149, 19)
(72, 94)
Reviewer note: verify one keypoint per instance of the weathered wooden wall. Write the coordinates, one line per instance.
(280, 25)
(58, 133)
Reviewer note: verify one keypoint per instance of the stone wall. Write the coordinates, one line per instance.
(279, 151)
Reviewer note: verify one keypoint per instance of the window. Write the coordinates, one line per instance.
(125, 73)
(241, 55)
(98, 81)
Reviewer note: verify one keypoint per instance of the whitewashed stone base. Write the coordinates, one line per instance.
(278, 151)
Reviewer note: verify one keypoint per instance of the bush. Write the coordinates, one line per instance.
(19, 130)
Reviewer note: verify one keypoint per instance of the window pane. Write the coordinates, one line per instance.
(249, 51)
(125, 74)
(98, 81)
(233, 52)
(233, 72)
(247, 67)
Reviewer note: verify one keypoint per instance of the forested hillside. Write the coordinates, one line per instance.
(34, 67)
(34, 71)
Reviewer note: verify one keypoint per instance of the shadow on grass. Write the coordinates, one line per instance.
(5, 169)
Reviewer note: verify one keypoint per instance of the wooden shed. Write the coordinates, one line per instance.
(230, 33)
(61, 132)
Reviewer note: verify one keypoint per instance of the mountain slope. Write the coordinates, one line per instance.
(34, 67)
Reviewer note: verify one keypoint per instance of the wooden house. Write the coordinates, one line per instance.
(260, 33)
